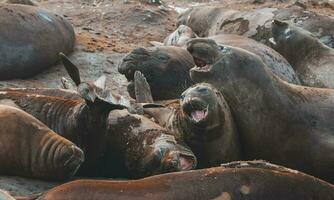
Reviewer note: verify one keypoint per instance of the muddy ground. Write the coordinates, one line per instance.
(106, 30)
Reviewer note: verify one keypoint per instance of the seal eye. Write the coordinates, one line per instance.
(182, 96)
(203, 90)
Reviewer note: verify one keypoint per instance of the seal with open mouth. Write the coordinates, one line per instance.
(280, 122)
(311, 59)
(254, 180)
(206, 50)
(280, 66)
(204, 122)
(165, 68)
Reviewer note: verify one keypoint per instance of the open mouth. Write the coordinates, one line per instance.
(195, 110)
(201, 65)
(186, 163)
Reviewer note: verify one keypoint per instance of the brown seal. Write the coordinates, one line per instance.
(312, 60)
(166, 70)
(237, 181)
(106, 131)
(204, 122)
(30, 149)
(46, 34)
(256, 24)
(276, 121)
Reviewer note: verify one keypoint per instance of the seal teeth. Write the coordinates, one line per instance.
(272, 41)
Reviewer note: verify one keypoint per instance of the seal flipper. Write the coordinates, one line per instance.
(156, 44)
(71, 69)
(142, 89)
(66, 84)
(101, 82)
(90, 92)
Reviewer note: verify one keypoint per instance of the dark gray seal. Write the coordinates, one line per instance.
(283, 123)
(206, 50)
(312, 60)
(203, 120)
(45, 35)
(165, 68)
(270, 57)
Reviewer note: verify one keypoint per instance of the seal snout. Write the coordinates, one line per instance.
(195, 109)
(177, 161)
(70, 157)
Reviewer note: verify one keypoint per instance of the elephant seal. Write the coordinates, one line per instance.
(256, 24)
(166, 70)
(116, 143)
(238, 181)
(208, 50)
(204, 122)
(30, 149)
(312, 60)
(24, 55)
(270, 57)
(277, 121)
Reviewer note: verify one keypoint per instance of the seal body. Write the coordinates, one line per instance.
(30, 149)
(256, 24)
(165, 68)
(46, 34)
(312, 60)
(277, 121)
(243, 180)
(106, 134)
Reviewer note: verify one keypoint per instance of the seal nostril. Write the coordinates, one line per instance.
(71, 156)
(190, 49)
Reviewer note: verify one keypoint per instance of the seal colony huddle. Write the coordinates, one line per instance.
(201, 102)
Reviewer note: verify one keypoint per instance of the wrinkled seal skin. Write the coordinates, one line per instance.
(311, 59)
(24, 55)
(242, 180)
(256, 24)
(213, 135)
(90, 128)
(31, 149)
(276, 121)
(165, 68)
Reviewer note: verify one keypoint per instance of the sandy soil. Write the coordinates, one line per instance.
(105, 31)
